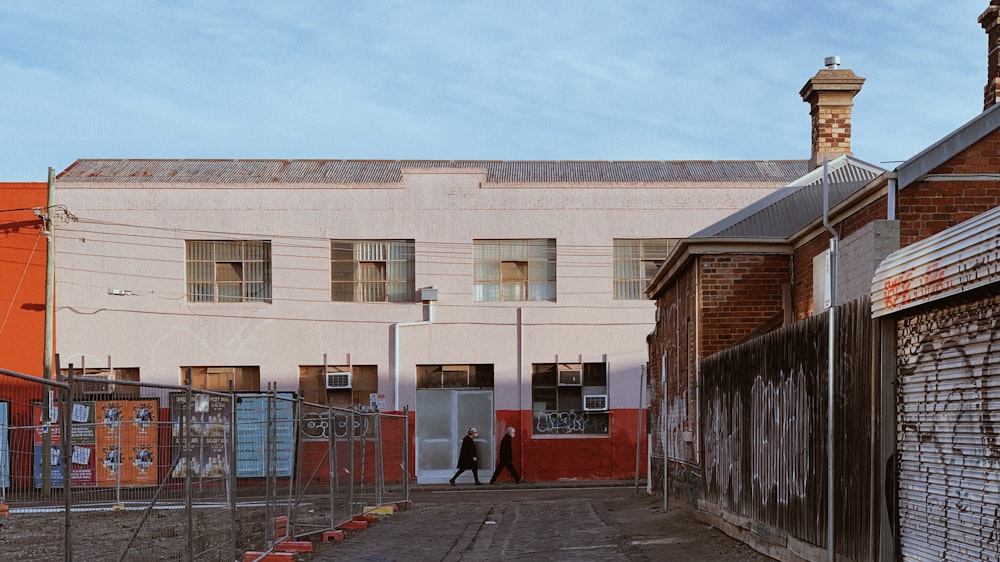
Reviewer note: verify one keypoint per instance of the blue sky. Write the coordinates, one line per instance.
(473, 79)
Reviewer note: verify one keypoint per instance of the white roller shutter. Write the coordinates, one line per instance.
(948, 430)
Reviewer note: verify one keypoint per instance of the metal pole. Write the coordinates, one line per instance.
(664, 409)
(830, 444)
(186, 440)
(67, 459)
(332, 461)
(350, 463)
(832, 279)
(231, 469)
(406, 452)
(638, 427)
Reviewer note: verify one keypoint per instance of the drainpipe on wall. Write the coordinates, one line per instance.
(891, 203)
(427, 295)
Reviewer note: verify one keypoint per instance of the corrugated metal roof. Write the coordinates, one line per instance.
(956, 260)
(784, 212)
(390, 171)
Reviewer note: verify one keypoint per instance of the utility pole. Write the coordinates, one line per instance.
(50, 270)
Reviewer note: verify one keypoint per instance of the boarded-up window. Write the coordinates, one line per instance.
(514, 270)
(372, 270)
(218, 378)
(228, 270)
(455, 376)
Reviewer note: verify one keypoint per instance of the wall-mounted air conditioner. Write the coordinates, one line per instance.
(570, 378)
(595, 402)
(338, 380)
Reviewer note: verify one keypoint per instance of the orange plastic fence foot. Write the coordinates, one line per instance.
(333, 536)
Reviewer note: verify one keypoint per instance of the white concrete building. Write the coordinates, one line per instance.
(481, 293)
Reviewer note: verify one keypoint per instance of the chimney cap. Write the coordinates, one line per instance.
(832, 63)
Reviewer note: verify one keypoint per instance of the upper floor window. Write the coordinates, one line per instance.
(515, 270)
(228, 270)
(372, 270)
(636, 262)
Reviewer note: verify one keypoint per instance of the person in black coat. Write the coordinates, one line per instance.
(468, 457)
(506, 459)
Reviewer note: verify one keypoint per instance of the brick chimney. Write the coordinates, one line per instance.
(830, 95)
(990, 20)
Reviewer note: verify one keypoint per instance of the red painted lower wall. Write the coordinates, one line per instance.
(575, 457)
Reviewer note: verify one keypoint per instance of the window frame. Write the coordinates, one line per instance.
(635, 256)
(514, 270)
(394, 278)
(249, 260)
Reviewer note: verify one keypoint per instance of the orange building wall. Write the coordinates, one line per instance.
(22, 278)
(22, 294)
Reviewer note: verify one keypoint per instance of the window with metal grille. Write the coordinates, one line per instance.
(636, 262)
(514, 270)
(372, 270)
(228, 270)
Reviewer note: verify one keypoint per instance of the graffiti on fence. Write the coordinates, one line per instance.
(781, 413)
(570, 422)
(723, 466)
(316, 425)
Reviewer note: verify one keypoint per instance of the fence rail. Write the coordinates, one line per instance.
(177, 473)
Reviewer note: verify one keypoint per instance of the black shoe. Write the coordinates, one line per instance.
(492, 482)
(479, 483)
(452, 481)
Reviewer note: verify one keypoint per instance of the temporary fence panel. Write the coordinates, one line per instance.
(174, 473)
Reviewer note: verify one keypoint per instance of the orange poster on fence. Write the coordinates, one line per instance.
(126, 441)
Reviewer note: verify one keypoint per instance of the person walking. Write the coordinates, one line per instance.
(506, 459)
(468, 457)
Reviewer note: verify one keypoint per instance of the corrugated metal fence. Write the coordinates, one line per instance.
(764, 416)
(175, 473)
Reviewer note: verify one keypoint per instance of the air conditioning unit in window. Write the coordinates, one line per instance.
(570, 378)
(338, 380)
(595, 402)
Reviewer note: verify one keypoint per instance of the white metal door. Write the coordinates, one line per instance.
(443, 418)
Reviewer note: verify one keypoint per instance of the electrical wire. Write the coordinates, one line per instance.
(17, 289)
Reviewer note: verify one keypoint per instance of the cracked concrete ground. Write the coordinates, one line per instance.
(510, 522)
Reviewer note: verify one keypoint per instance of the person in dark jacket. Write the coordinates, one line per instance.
(468, 457)
(506, 459)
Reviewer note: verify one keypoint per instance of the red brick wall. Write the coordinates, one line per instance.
(738, 293)
(926, 208)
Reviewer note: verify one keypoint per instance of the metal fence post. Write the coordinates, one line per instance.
(350, 462)
(332, 462)
(379, 465)
(186, 439)
(406, 453)
(231, 467)
(67, 458)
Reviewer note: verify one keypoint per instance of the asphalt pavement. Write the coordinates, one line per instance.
(576, 521)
